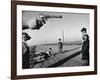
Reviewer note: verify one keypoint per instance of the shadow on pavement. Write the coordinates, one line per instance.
(65, 59)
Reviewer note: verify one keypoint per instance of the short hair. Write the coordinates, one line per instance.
(50, 48)
(26, 35)
(83, 29)
(59, 38)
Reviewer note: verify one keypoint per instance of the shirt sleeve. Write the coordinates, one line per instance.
(24, 49)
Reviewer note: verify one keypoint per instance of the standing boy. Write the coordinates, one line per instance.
(60, 45)
(85, 46)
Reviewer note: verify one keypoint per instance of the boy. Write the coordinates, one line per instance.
(25, 51)
(48, 53)
(85, 46)
(60, 45)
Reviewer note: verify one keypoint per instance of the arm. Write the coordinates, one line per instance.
(24, 49)
(36, 24)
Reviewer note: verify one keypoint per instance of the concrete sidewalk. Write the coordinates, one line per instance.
(75, 61)
(65, 59)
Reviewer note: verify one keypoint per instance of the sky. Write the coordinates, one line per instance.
(70, 23)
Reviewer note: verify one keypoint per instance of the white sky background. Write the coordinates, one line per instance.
(52, 30)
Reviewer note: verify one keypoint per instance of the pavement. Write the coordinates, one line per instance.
(67, 58)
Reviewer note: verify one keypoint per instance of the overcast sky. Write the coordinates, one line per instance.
(71, 23)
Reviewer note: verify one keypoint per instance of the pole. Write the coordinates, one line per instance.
(63, 35)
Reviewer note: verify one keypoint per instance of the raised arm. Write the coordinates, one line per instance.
(36, 24)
